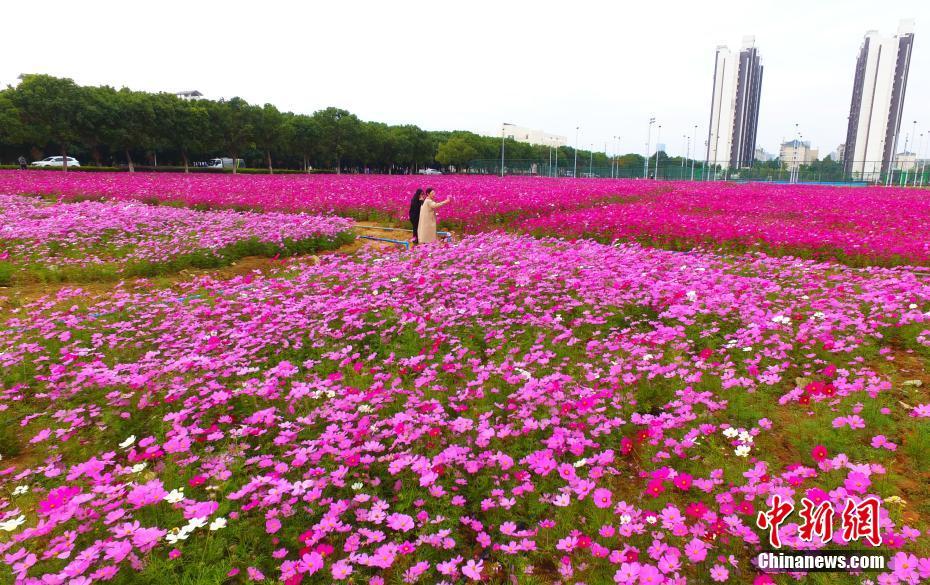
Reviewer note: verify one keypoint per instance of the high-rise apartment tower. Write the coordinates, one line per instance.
(734, 112)
(877, 102)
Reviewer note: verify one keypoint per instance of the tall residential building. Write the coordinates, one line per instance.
(878, 102)
(734, 110)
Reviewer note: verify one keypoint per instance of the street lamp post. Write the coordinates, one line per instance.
(575, 167)
(503, 130)
(695, 148)
(920, 167)
(914, 137)
(616, 161)
(658, 141)
(648, 141)
(687, 150)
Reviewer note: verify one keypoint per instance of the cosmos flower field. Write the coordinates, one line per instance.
(859, 226)
(507, 408)
(89, 240)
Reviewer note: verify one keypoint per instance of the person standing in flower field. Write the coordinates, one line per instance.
(426, 232)
(415, 204)
(22, 162)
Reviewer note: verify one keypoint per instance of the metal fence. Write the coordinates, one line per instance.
(913, 175)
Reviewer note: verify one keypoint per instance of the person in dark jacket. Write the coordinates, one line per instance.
(415, 204)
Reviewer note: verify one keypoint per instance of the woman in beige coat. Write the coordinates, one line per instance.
(426, 230)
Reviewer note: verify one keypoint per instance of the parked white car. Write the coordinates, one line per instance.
(56, 161)
(430, 172)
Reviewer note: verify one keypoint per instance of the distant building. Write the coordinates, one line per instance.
(905, 161)
(795, 153)
(763, 155)
(530, 136)
(840, 154)
(190, 95)
(877, 102)
(734, 111)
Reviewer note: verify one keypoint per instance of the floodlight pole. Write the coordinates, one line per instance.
(695, 148)
(658, 141)
(648, 141)
(575, 167)
(503, 129)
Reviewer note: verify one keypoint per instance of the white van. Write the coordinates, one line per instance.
(223, 163)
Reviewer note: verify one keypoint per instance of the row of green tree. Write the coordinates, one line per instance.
(44, 115)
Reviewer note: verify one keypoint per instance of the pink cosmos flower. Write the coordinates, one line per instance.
(857, 482)
(603, 498)
(255, 574)
(904, 566)
(58, 498)
(655, 488)
(472, 570)
(819, 453)
(650, 575)
(400, 522)
(682, 481)
(719, 573)
(921, 411)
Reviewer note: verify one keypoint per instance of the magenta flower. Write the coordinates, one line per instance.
(400, 522)
(682, 481)
(603, 498)
(719, 573)
(857, 482)
(472, 570)
(58, 498)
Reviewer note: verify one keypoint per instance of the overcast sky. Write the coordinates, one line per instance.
(603, 66)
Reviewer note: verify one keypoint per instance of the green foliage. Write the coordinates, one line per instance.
(457, 150)
(110, 127)
(6, 273)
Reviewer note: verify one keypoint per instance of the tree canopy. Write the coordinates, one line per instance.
(44, 114)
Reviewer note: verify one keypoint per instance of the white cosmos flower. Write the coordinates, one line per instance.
(730, 432)
(625, 519)
(218, 523)
(195, 523)
(742, 451)
(20, 490)
(692, 295)
(580, 463)
(13, 524)
(139, 467)
(128, 442)
(175, 496)
(357, 485)
(175, 535)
